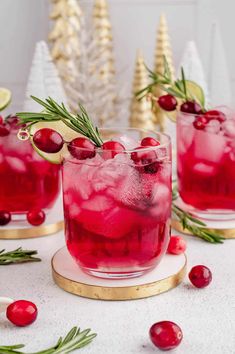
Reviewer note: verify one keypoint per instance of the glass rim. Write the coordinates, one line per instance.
(165, 144)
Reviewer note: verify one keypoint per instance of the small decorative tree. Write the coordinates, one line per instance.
(64, 37)
(141, 115)
(163, 49)
(43, 79)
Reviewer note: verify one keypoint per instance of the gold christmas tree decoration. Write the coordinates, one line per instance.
(141, 115)
(163, 49)
(104, 41)
(64, 36)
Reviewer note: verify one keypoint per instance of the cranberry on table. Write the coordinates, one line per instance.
(36, 217)
(177, 245)
(167, 102)
(215, 114)
(48, 140)
(200, 276)
(191, 107)
(111, 149)
(145, 159)
(22, 313)
(148, 141)
(4, 129)
(166, 335)
(200, 122)
(82, 148)
(5, 217)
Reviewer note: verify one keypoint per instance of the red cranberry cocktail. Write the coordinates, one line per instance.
(117, 202)
(29, 184)
(206, 160)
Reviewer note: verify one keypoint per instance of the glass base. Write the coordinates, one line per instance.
(213, 218)
(116, 275)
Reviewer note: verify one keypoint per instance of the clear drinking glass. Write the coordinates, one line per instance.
(28, 182)
(206, 164)
(117, 214)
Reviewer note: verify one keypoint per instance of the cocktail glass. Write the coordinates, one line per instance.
(28, 182)
(117, 212)
(206, 164)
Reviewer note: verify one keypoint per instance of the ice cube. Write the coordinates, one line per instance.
(208, 146)
(213, 126)
(98, 203)
(205, 169)
(16, 164)
(229, 128)
(74, 210)
(161, 200)
(128, 142)
(185, 135)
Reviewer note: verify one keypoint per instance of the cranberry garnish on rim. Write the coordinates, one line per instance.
(215, 114)
(165, 335)
(5, 217)
(111, 149)
(200, 276)
(148, 141)
(22, 313)
(200, 122)
(167, 102)
(48, 140)
(191, 107)
(82, 148)
(36, 217)
(145, 159)
(177, 245)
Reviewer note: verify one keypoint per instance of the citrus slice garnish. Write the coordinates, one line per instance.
(5, 98)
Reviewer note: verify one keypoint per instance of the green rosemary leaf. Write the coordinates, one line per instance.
(18, 256)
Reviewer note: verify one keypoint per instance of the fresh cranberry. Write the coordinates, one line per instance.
(177, 245)
(1, 120)
(166, 335)
(167, 102)
(13, 121)
(214, 114)
(200, 276)
(200, 122)
(145, 160)
(5, 217)
(48, 140)
(36, 217)
(22, 313)
(111, 149)
(148, 141)
(191, 107)
(4, 129)
(81, 148)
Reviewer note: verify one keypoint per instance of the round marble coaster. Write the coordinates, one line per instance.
(21, 229)
(167, 275)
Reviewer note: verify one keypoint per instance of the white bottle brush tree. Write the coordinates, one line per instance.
(43, 79)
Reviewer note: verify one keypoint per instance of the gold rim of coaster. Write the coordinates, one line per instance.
(120, 293)
(31, 232)
(226, 233)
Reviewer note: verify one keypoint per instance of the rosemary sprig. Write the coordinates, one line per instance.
(74, 340)
(52, 112)
(195, 226)
(177, 88)
(18, 256)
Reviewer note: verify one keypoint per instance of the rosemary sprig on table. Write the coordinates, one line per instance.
(74, 340)
(195, 226)
(52, 112)
(18, 256)
(177, 88)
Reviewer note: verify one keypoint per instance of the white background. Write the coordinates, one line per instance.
(23, 22)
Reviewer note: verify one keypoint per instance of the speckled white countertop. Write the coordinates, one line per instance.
(207, 316)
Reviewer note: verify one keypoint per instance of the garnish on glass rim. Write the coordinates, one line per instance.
(183, 89)
(18, 255)
(74, 340)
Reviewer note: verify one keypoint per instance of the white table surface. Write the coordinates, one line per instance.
(206, 316)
